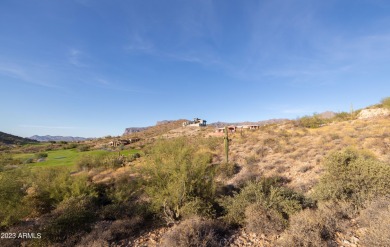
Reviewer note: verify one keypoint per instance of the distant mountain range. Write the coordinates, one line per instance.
(11, 139)
(48, 138)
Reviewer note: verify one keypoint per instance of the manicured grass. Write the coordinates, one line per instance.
(68, 157)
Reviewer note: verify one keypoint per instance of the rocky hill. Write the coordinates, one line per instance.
(11, 139)
(159, 129)
(373, 113)
(132, 130)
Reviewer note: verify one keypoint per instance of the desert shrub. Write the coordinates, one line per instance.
(180, 178)
(70, 221)
(314, 121)
(343, 116)
(26, 192)
(83, 148)
(312, 228)
(11, 195)
(60, 184)
(38, 200)
(112, 161)
(267, 193)
(40, 155)
(227, 170)
(124, 200)
(196, 232)
(108, 232)
(386, 102)
(376, 218)
(261, 220)
(354, 176)
(125, 189)
(211, 143)
(88, 162)
(33, 192)
(70, 146)
(7, 160)
(133, 157)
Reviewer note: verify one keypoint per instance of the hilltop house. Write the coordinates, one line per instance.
(197, 123)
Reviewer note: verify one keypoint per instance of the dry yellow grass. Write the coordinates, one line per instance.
(296, 153)
(290, 151)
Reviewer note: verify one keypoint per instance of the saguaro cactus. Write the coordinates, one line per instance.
(226, 141)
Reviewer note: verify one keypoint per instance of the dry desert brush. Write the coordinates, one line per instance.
(180, 178)
(266, 199)
(196, 232)
(354, 176)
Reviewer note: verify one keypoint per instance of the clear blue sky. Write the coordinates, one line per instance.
(92, 67)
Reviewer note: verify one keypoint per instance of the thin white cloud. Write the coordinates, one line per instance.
(103, 82)
(140, 44)
(11, 70)
(195, 57)
(28, 73)
(75, 57)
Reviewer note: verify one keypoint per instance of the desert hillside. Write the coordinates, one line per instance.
(8, 139)
(315, 181)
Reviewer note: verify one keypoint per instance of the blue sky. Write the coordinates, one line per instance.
(92, 68)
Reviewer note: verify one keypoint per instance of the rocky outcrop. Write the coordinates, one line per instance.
(132, 130)
(372, 113)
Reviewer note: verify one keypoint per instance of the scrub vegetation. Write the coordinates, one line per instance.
(307, 182)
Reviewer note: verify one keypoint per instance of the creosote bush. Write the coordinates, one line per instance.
(314, 121)
(28, 192)
(88, 162)
(354, 176)
(266, 195)
(7, 160)
(180, 179)
(312, 228)
(107, 233)
(83, 148)
(71, 220)
(196, 232)
(11, 195)
(227, 170)
(261, 220)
